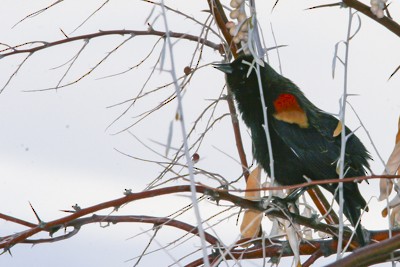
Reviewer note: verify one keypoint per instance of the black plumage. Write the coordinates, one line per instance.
(303, 137)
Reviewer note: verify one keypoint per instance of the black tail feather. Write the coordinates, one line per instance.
(352, 211)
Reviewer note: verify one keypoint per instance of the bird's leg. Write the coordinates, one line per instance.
(288, 203)
(295, 194)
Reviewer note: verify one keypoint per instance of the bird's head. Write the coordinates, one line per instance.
(243, 77)
(240, 73)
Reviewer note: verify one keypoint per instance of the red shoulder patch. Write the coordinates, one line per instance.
(287, 109)
(286, 102)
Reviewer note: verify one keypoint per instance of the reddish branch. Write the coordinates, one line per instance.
(317, 197)
(78, 223)
(14, 50)
(320, 182)
(17, 221)
(238, 137)
(387, 22)
(220, 18)
(374, 253)
(315, 248)
(315, 256)
(157, 221)
(213, 193)
(276, 249)
(323, 205)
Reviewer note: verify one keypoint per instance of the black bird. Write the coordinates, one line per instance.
(304, 139)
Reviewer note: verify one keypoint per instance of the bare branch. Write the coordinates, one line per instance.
(10, 51)
(38, 12)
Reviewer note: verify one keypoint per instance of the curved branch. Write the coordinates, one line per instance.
(386, 22)
(44, 45)
(368, 255)
(274, 248)
(215, 194)
(238, 136)
(279, 248)
(221, 20)
(319, 182)
(53, 239)
(157, 221)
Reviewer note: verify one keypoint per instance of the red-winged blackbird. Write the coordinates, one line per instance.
(303, 137)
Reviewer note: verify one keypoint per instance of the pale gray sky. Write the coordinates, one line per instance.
(56, 150)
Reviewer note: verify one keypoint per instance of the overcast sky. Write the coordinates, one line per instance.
(56, 149)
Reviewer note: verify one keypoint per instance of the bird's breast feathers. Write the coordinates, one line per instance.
(287, 109)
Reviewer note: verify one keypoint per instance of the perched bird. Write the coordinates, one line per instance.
(304, 139)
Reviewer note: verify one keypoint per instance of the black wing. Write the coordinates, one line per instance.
(318, 148)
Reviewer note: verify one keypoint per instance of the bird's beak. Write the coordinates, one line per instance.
(224, 67)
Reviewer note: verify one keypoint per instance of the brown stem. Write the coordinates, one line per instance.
(44, 45)
(323, 205)
(157, 221)
(320, 182)
(367, 255)
(221, 20)
(315, 256)
(16, 220)
(238, 136)
(259, 249)
(213, 193)
(387, 22)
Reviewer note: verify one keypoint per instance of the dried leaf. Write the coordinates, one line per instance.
(277, 193)
(338, 129)
(276, 229)
(392, 217)
(384, 212)
(386, 187)
(394, 160)
(395, 216)
(392, 167)
(169, 138)
(394, 202)
(398, 132)
(293, 241)
(307, 232)
(322, 234)
(251, 222)
(253, 182)
(250, 227)
(293, 238)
